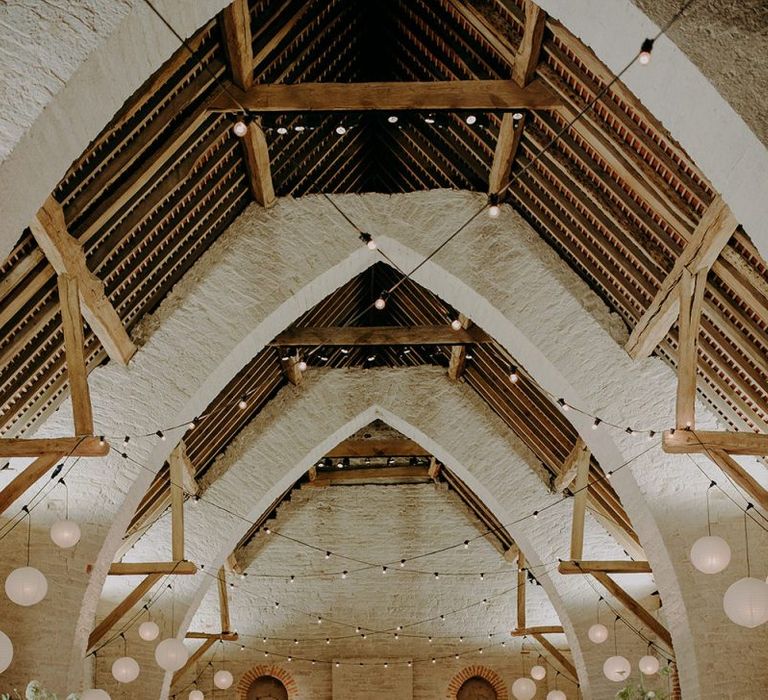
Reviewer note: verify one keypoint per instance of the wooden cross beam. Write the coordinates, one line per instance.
(496, 95)
(66, 256)
(542, 629)
(704, 441)
(710, 236)
(390, 447)
(142, 568)
(236, 29)
(69, 446)
(348, 336)
(375, 475)
(584, 566)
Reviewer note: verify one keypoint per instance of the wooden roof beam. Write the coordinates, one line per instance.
(346, 336)
(530, 47)
(122, 609)
(224, 601)
(634, 607)
(374, 475)
(579, 502)
(711, 235)
(224, 636)
(543, 629)
(489, 95)
(24, 480)
(705, 441)
(584, 566)
(67, 257)
(521, 582)
(193, 659)
(570, 466)
(565, 664)
(691, 297)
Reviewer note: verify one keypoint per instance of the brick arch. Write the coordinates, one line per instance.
(241, 692)
(477, 671)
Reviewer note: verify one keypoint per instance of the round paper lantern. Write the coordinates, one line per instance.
(171, 654)
(65, 533)
(598, 633)
(710, 554)
(617, 669)
(649, 665)
(95, 694)
(538, 673)
(556, 695)
(196, 695)
(6, 651)
(746, 602)
(149, 631)
(26, 586)
(524, 689)
(125, 670)
(223, 679)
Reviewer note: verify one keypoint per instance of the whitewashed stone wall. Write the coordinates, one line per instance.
(259, 278)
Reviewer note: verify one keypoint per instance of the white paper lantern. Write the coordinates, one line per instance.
(125, 670)
(598, 633)
(171, 654)
(524, 689)
(65, 533)
(6, 651)
(149, 631)
(95, 694)
(223, 679)
(556, 695)
(196, 695)
(746, 602)
(648, 665)
(710, 554)
(617, 669)
(26, 586)
(538, 673)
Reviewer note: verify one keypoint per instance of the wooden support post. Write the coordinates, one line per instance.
(72, 326)
(122, 609)
(290, 367)
(691, 298)
(177, 568)
(434, 469)
(458, 358)
(223, 600)
(177, 507)
(521, 583)
(512, 553)
(22, 481)
(607, 567)
(579, 503)
(510, 133)
(570, 466)
(565, 664)
(66, 256)
(634, 607)
(530, 47)
(193, 659)
(188, 476)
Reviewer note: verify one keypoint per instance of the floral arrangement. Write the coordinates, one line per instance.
(35, 691)
(635, 691)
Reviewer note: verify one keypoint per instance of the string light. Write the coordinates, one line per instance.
(644, 57)
(240, 128)
(341, 129)
(392, 119)
(493, 205)
(368, 240)
(471, 119)
(596, 424)
(243, 403)
(513, 376)
(456, 324)
(381, 302)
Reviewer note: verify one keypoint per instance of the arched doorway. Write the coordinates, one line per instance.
(476, 688)
(267, 688)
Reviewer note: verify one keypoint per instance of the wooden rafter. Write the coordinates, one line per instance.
(560, 658)
(193, 659)
(122, 609)
(570, 467)
(502, 95)
(348, 336)
(530, 47)
(66, 256)
(21, 482)
(709, 238)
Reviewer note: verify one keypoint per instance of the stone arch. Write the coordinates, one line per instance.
(271, 670)
(510, 293)
(112, 56)
(477, 671)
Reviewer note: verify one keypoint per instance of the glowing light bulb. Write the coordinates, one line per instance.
(242, 404)
(240, 128)
(282, 130)
(392, 119)
(471, 119)
(341, 129)
(456, 324)
(302, 366)
(380, 303)
(513, 376)
(644, 58)
(494, 210)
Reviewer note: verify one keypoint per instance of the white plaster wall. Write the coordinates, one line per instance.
(258, 278)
